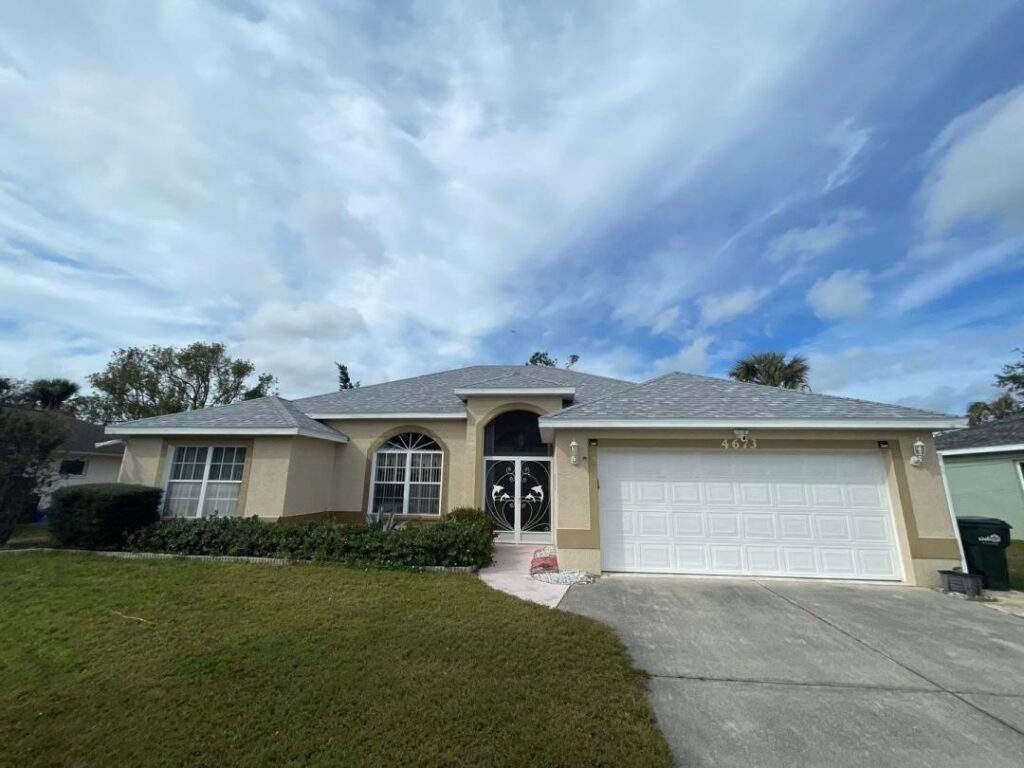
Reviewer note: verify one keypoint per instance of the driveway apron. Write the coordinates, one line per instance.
(786, 673)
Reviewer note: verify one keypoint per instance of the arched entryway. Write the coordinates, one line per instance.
(517, 478)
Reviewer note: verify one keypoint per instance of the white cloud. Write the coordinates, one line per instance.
(843, 294)
(849, 141)
(719, 309)
(977, 167)
(802, 244)
(393, 187)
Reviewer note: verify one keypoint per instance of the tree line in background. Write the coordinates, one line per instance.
(147, 381)
(1009, 402)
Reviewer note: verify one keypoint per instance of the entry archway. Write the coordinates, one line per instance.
(517, 478)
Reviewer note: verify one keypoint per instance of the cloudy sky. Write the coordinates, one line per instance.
(408, 187)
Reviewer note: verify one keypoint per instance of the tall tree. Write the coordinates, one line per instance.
(1010, 402)
(344, 380)
(50, 394)
(140, 382)
(12, 391)
(773, 370)
(544, 359)
(27, 441)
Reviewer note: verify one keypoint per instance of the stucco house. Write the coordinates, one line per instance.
(678, 474)
(985, 470)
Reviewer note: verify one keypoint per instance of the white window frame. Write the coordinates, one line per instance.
(408, 452)
(205, 481)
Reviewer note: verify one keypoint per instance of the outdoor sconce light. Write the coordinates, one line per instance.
(742, 434)
(918, 458)
(574, 452)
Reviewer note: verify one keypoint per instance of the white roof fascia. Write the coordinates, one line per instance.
(225, 431)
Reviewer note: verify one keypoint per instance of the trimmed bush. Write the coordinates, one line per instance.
(448, 543)
(101, 515)
(471, 515)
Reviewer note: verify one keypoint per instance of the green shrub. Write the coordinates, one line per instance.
(101, 515)
(447, 543)
(471, 515)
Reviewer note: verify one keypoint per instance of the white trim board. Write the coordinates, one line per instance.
(741, 423)
(340, 416)
(515, 391)
(983, 449)
(224, 432)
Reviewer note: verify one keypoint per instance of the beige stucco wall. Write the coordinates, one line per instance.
(310, 476)
(99, 468)
(924, 525)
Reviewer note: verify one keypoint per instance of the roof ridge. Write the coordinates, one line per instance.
(730, 380)
(622, 391)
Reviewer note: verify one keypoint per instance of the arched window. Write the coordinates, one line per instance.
(407, 476)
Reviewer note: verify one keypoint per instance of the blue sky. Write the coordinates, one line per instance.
(411, 187)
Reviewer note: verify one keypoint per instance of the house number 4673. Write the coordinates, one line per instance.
(738, 444)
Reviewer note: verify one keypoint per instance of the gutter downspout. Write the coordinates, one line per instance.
(952, 513)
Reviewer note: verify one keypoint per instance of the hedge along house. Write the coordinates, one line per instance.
(984, 468)
(679, 474)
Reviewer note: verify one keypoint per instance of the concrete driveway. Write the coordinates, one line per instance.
(790, 673)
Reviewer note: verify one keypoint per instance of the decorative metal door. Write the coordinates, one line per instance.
(517, 496)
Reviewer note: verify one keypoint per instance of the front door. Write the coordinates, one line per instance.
(517, 496)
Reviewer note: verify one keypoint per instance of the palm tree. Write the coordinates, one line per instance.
(773, 370)
(51, 394)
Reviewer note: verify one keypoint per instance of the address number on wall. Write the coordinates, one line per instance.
(739, 445)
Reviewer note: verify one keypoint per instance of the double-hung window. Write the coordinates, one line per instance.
(407, 476)
(204, 481)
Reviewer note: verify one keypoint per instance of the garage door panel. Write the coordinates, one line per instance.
(691, 557)
(832, 527)
(764, 559)
(654, 524)
(723, 524)
(726, 559)
(688, 524)
(758, 525)
(758, 513)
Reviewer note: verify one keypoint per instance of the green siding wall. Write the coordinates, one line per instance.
(988, 485)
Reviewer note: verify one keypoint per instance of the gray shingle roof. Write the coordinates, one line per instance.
(683, 396)
(435, 392)
(79, 436)
(262, 413)
(1006, 431)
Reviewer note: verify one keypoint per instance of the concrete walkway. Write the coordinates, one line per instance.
(798, 673)
(511, 573)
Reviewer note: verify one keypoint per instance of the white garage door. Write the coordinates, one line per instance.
(747, 512)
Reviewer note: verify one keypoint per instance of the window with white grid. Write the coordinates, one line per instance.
(407, 473)
(204, 481)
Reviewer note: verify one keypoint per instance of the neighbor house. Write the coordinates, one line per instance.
(78, 459)
(985, 470)
(679, 474)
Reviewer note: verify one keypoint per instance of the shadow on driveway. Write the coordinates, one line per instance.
(786, 673)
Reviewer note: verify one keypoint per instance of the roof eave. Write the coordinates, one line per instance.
(225, 432)
(738, 423)
(567, 393)
(392, 415)
(1005, 448)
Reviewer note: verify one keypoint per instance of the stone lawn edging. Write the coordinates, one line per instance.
(228, 559)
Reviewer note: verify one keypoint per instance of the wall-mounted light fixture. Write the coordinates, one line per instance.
(574, 452)
(742, 434)
(918, 458)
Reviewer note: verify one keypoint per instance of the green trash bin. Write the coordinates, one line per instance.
(985, 540)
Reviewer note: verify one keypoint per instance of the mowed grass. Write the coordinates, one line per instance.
(1015, 560)
(154, 662)
(30, 535)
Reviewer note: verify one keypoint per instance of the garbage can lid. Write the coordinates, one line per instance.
(987, 521)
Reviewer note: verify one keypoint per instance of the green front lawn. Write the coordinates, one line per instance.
(1015, 559)
(29, 535)
(128, 662)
